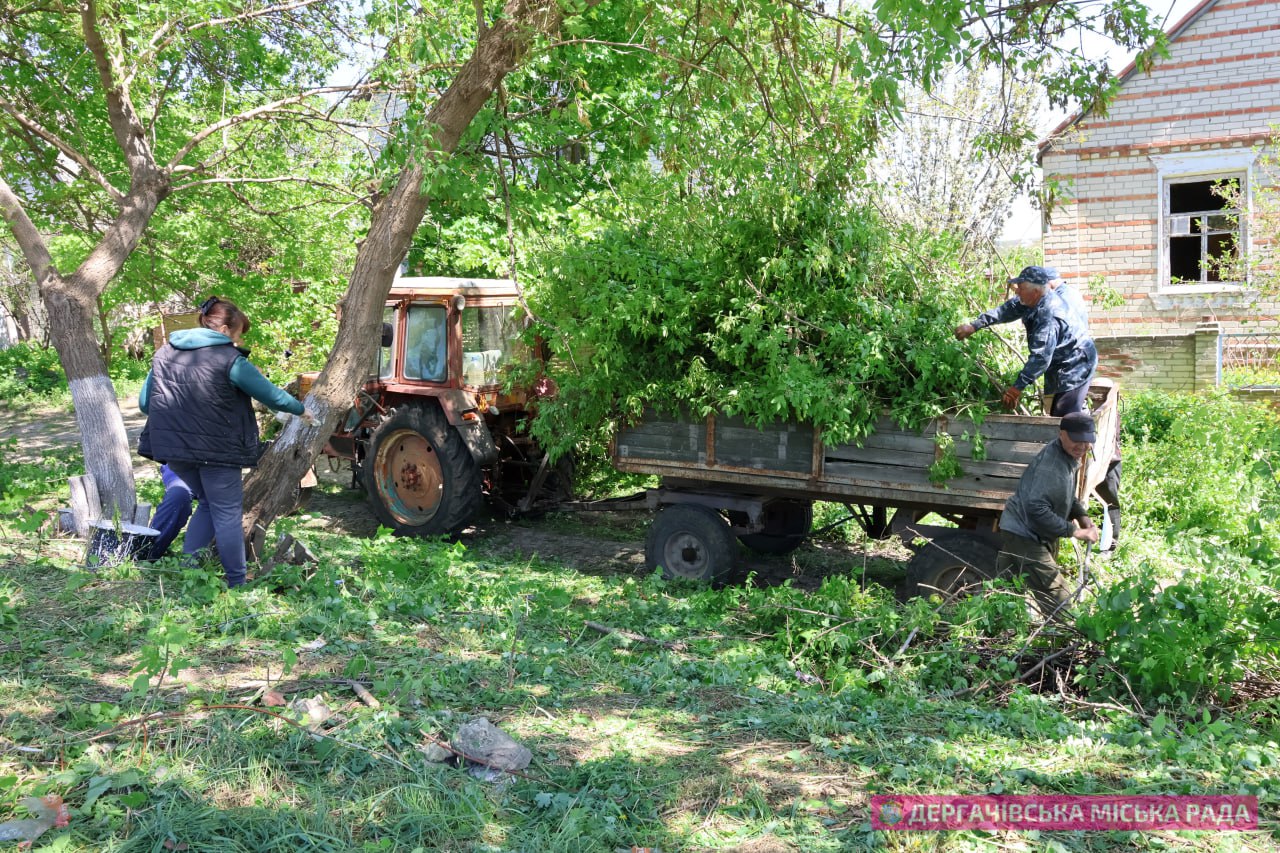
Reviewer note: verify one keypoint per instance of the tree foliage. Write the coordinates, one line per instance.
(959, 154)
(251, 207)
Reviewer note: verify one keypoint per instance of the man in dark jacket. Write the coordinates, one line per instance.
(1057, 326)
(1044, 509)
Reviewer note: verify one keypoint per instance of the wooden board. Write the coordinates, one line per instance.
(931, 498)
(892, 476)
(888, 445)
(777, 447)
(889, 467)
(170, 323)
(663, 438)
(920, 461)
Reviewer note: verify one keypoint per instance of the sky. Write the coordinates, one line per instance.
(1024, 224)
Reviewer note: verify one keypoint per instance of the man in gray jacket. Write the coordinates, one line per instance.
(1043, 510)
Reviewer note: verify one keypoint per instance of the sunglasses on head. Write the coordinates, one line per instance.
(207, 305)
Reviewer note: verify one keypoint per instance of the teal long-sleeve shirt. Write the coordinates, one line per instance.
(243, 374)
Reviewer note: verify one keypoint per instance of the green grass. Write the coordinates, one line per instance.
(708, 745)
(760, 719)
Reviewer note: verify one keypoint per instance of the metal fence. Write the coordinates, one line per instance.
(1249, 360)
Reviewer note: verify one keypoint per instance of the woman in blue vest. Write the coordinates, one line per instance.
(200, 422)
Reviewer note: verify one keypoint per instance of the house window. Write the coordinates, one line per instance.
(1203, 235)
(1203, 230)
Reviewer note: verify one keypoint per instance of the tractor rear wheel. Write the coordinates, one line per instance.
(421, 478)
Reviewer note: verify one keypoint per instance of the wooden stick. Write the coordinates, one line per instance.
(85, 503)
(365, 696)
(1044, 660)
(634, 637)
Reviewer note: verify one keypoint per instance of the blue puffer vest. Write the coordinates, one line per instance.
(195, 413)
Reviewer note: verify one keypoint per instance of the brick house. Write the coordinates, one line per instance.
(1143, 227)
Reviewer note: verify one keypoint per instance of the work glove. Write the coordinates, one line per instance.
(1011, 397)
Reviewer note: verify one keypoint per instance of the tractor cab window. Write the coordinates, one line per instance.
(425, 340)
(488, 336)
(388, 343)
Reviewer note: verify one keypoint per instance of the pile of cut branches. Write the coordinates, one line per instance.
(771, 304)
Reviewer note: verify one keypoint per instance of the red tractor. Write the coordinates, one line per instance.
(432, 433)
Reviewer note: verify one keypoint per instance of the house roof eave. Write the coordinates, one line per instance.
(1171, 35)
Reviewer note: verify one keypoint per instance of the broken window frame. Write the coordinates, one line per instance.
(1208, 165)
(1184, 225)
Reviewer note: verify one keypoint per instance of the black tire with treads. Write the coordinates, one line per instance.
(690, 542)
(421, 478)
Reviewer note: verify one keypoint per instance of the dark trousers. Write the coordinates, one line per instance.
(1071, 400)
(220, 491)
(171, 515)
(1021, 556)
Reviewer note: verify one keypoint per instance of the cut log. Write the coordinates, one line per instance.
(85, 504)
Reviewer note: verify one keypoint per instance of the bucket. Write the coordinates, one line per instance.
(111, 544)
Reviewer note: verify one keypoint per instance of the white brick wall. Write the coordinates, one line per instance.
(1107, 222)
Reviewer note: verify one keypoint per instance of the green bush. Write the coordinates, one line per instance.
(1203, 463)
(128, 370)
(29, 370)
(1193, 615)
(1178, 641)
(779, 303)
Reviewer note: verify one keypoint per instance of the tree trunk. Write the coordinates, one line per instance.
(71, 304)
(107, 458)
(499, 49)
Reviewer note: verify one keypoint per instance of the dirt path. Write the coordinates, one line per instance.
(40, 430)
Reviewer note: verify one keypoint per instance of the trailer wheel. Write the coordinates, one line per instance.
(421, 478)
(953, 565)
(691, 542)
(786, 525)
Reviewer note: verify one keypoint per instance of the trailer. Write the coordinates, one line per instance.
(722, 479)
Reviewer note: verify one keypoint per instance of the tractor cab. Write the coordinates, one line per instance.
(452, 333)
(439, 425)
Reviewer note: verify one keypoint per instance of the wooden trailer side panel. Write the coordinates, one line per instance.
(890, 467)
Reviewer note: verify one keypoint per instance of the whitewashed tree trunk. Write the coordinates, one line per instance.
(107, 456)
